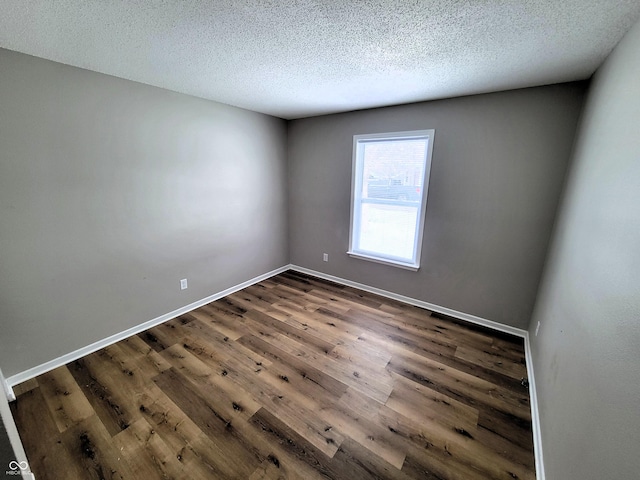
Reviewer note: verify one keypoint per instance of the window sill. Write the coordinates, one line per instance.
(407, 266)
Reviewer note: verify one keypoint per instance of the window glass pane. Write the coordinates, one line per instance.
(388, 229)
(393, 169)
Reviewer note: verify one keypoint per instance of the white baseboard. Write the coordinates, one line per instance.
(8, 390)
(535, 419)
(105, 342)
(535, 416)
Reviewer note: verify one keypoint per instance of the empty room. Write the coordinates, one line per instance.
(319, 239)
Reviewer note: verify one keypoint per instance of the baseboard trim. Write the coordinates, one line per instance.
(105, 342)
(535, 416)
(8, 389)
(533, 398)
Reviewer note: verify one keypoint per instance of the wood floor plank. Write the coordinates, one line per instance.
(398, 335)
(300, 335)
(159, 337)
(105, 405)
(294, 368)
(511, 428)
(197, 454)
(47, 455)
(146, 359)
(360, 403)
(223, 345)
(146, 452)
(199, 373)
(342, 466)
(291, 378)
(422, 324)
(311, 301)
(94, 452)
(67, 404)
(305, 320)
(378, 387)
(25, 386)
(286, 311)
(494, 360)
(461, 446)
(240, 458)
(274, 392)
(427, 455)
(357, 353)
(122, 380)
(250, 301)
(365, 432)
(516, 448)
(223, 321)
(467, 388)
(429, 403)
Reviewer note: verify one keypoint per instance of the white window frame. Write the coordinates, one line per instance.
(356, 189)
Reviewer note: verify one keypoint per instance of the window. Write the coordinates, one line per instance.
(389, 196)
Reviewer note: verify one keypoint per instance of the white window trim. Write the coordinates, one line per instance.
(356, 183)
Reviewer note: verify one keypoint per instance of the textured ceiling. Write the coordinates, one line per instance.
(300, 58)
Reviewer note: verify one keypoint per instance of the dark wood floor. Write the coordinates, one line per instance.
(294, 377)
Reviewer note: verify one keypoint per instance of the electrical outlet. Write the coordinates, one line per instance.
(325, 257)
(183, 284)
(537, 328)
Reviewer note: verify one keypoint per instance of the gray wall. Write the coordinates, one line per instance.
(111, 192)
(499, 161)
(587, 352)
